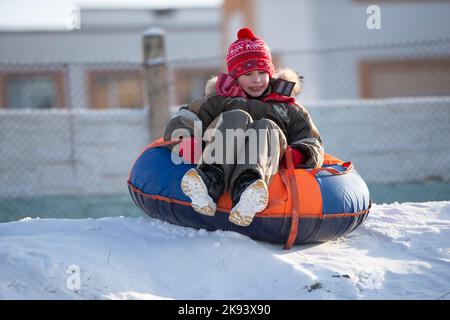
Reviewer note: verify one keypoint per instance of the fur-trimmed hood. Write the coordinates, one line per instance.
(291, 118)
(284, 74)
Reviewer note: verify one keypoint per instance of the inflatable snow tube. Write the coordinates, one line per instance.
(305, 205)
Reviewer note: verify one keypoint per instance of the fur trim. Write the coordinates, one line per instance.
(210, 87)
(285, 74)
(290, 75)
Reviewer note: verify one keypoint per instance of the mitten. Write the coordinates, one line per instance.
(190, 149)
(297, 157)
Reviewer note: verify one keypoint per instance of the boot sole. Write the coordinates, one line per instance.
(193, 186)
(253, 200)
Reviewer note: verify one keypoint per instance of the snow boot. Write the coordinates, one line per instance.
(250, 195)
(204, 187)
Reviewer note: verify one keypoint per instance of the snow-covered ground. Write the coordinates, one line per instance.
(402, 251)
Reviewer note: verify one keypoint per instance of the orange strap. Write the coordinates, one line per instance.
(160, 142)
(347, 165)
(294, 195)
(292, 184)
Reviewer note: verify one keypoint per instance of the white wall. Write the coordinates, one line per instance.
(116, 36)
(343, 22)
(308, 24)
(302, 25)
(51, 47)
(100, 47)
(286, 24)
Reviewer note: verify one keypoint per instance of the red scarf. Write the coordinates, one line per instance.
(226, 86)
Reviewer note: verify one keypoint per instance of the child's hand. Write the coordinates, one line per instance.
(190, 149)
(297, 157)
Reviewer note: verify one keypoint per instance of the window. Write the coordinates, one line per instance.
(409, 77)
(116, 89)
(37, 90)
(190, 84)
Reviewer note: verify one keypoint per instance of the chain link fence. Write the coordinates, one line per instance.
(69, 132)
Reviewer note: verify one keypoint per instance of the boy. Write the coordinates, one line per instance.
(248, 98)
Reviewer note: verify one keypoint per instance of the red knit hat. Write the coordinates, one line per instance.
(248, 53)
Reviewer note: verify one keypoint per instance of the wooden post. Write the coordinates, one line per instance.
(156, 81)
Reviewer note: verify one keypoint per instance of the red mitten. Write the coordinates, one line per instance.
(297, 157)
(190, 149)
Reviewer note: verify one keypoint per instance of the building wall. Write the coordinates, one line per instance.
(343, 22)
(111, 35)
(115, 36)
(286, 24)
(307, 26)
(51, 47)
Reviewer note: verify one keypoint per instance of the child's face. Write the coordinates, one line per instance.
(254, 83)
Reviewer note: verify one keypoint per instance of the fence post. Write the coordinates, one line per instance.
(156, 80)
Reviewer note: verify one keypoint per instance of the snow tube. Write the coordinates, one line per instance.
(305, 205)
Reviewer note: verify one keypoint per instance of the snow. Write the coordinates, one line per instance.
(400, 252)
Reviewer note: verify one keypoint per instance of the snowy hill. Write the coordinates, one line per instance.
(402, 251)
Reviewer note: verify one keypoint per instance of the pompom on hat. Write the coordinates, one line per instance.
(248, 53)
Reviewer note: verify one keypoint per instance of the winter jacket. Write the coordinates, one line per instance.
(294, 120)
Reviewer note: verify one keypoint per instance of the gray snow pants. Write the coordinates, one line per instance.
(247, 144)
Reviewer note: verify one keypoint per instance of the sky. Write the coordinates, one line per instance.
(57, 14)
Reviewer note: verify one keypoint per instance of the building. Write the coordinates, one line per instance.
(100, 65)
(329, 43)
